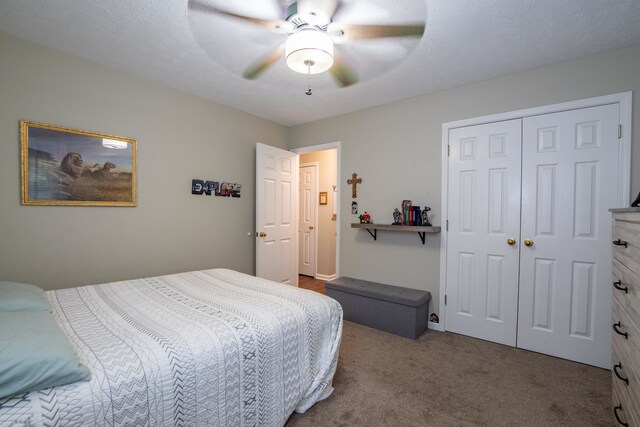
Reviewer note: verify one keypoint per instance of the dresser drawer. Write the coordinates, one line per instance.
(628, 230)
(625, 373)
(629, 295)
(629, 255)
(625, 314)
(626, 326)
(620, 407)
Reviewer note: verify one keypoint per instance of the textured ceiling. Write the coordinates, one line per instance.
(465, 41)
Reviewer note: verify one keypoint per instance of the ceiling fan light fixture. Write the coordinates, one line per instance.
(309, 52)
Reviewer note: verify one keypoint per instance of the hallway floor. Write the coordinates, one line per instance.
(308, 282)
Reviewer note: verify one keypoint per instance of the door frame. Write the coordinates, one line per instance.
(625, 102)
(315, 217)
(320, 147)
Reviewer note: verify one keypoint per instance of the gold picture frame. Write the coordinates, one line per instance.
(70, 167)
(323, 197)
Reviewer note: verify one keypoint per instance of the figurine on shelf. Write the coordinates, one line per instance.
(365, 218)
(397, 217)
(425, 216)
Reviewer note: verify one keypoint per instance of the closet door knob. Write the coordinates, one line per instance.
(511, 241)
(528, 242)
(262, 234)
(311, 227)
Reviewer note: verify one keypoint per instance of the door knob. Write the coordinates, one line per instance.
(262, 234)
(528, 242)
(311, 227)
(511, 241)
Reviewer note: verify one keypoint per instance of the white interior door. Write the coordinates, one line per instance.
(307, 232)
(484, 212)
(276, 214)
(569, 181)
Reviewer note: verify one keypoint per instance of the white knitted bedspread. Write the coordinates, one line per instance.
(213, 347)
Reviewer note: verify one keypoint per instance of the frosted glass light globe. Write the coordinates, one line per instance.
(309, 51)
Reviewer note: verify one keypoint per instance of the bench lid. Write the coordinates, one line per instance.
(405, 296)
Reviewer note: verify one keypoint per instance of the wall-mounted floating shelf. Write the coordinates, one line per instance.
(422, 231)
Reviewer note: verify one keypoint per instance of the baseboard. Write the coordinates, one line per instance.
(325, 277)
(435, 326)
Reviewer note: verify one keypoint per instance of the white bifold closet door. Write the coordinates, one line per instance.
(484, 211)
(528, 255)
(569, 183)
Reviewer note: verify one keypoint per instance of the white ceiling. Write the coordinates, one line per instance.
(465, 41)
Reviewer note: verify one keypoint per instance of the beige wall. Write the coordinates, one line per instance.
(327, 173)
(180, 137)
(396, 149)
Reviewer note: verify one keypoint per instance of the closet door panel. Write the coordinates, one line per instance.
(484, 211)
(569, 181)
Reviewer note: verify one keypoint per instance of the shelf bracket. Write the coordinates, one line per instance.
(422, 235)
(374, 234)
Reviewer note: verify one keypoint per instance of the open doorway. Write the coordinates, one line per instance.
(318, 210)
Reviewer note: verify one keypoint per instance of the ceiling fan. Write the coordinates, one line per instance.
(311, 35)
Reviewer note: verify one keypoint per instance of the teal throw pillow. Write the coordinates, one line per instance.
(35, 354)
(22, 297)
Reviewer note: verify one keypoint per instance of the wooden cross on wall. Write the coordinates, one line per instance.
(353, 182)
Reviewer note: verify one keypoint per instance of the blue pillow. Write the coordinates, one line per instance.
(35, 354)
(22, 297)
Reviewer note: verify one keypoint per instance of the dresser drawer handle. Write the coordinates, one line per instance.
(615, 412)
(620, 243)
(615, 371)
(615, 328)
(618, 286)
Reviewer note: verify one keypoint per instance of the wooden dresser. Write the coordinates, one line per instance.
(625, 360)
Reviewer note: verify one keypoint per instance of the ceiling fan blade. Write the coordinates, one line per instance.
(254, 70)
(337, 7)
(320, 8)
(342, 74)
(349, 32)
(274, 25)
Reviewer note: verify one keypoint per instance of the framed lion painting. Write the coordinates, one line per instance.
(72, 167)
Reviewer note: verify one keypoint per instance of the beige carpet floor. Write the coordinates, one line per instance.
(445, 379)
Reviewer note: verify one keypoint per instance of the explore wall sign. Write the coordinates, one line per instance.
(221, 189)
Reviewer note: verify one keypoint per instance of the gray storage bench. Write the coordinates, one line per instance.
(400, 311)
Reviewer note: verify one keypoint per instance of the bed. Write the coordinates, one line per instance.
(213, 347)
